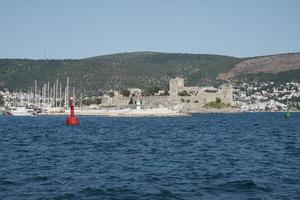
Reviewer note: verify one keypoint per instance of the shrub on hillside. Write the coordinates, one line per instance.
(216, 104)
(183, 93)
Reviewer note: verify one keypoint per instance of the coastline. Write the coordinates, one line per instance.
(153, 112)
(158, 112)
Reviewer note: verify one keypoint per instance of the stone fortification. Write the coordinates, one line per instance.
(176, 85)
(193, 100)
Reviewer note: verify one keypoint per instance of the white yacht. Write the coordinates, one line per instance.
(19, 111)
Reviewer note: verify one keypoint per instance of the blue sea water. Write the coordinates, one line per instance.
(206, 156)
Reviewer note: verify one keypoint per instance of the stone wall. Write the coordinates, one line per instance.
(191, 103)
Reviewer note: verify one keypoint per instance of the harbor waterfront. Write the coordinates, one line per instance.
(205, 156)
(176, 101)
(130, 112)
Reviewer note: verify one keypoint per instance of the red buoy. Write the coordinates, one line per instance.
(72, 120)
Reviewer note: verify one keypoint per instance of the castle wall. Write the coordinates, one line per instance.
(199, 97)
(183, 103)
(116, 101)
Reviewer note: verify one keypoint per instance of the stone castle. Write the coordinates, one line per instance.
(186, 99)
(204, 94)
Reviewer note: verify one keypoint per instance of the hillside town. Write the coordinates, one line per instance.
(237, 97)
(267, 96)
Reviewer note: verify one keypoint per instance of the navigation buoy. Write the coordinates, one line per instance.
(72, 120)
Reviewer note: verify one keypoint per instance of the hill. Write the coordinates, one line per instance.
(146, 69)
(265, 67)
(117, 71)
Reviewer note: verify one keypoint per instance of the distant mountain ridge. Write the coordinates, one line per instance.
(144, 69)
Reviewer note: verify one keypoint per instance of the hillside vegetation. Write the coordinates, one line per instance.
(117, 71)
(270, 65)
(145, 69)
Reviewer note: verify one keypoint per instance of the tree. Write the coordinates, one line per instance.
(166, 93)
(150, 91)
(183, 93)
(218, 100)
(98, 101)
(131, 101)
(111, 94)
(86, 101)
(1, 101)
(125, 93)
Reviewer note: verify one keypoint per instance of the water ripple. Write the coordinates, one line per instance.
(206, 156)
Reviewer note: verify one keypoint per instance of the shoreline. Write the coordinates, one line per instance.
(154, 112)
(159, 112)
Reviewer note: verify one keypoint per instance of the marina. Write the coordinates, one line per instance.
(48, 99)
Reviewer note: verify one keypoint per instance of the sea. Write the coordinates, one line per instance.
(203, 156)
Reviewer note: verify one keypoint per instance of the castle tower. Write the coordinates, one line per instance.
(176, 85)
(227, 93)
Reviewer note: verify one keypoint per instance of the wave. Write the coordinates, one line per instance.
(107, 192)
(5, 182)
(65, 196)
(243, 186)
(36, 179)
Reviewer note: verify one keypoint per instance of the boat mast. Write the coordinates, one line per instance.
(48, 94)
(80, 100)
(74, 98)
(56, 92)
(67, 92)
(60, 95)
(35, 93)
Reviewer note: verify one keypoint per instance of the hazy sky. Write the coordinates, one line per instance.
(85, 28)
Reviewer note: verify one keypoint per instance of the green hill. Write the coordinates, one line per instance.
(145, 69)
(117, 71)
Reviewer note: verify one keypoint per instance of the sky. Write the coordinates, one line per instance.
(76, 29)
